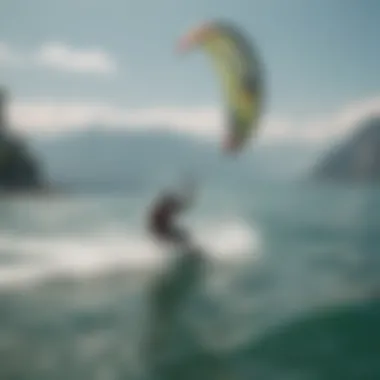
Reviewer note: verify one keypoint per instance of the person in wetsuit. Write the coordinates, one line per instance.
(172, 288)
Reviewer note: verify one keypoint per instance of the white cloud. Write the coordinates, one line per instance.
(342, 122)
(205, 122)
(66, 58)
(37, 117)
(60, 57)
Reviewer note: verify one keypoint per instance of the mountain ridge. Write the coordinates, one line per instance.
(100, 155)
(356, 158)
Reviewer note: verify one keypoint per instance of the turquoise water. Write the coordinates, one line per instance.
(290, 291)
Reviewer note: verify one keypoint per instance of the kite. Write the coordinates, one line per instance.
(240, 73)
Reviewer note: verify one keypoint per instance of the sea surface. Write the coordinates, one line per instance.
(290, 287)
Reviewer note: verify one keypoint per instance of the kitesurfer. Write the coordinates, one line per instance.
(171, 289)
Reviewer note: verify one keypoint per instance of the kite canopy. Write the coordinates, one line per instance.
(240, 73)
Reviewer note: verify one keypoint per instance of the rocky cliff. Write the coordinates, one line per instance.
(357, 159)
(19, 169)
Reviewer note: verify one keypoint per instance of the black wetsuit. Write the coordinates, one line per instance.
(161, 220)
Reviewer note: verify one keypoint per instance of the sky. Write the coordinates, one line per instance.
(75, 63)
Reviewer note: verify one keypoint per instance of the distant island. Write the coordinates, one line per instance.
(357, 159)
(19, 169)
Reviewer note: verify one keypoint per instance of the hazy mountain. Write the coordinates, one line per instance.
(355, 159)
(109, 157)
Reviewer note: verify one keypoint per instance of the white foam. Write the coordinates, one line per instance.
(228, 240)
(100, 251)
